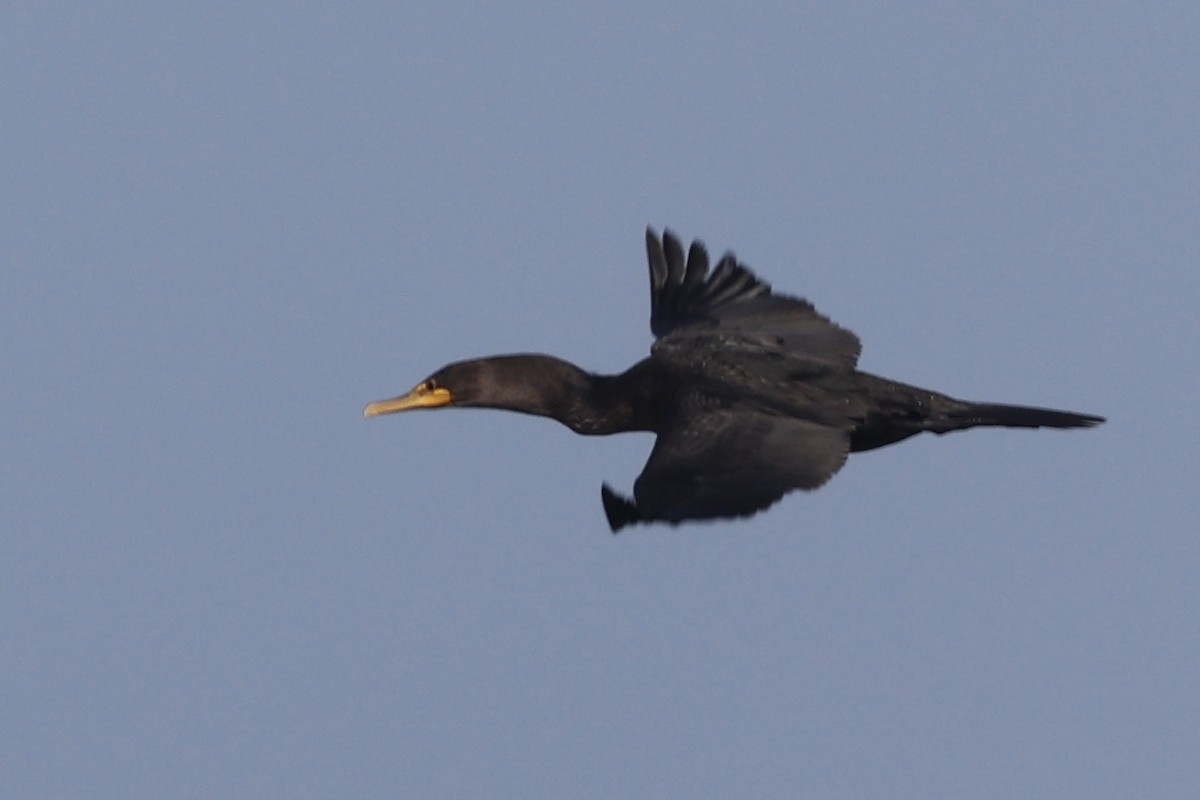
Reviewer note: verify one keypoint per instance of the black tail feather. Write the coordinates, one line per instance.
(973, 414)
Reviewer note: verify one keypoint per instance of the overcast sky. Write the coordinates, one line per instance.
(224, 227)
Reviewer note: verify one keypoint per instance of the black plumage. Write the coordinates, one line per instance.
(752, 394)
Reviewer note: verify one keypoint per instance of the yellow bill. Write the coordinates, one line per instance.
(424, 396)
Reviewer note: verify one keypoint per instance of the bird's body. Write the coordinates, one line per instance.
(751, 395)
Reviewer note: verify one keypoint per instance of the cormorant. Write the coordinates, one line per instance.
(752, 394)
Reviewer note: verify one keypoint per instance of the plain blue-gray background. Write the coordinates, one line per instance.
(226, 226)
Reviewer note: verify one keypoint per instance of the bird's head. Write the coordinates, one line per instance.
(533, 384)
(459, 384)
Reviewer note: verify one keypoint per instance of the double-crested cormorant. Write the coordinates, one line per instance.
(752, 394)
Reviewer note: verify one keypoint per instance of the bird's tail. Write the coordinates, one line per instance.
(970, 415)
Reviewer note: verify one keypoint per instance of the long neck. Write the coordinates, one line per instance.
(586, 403)
(617, 403)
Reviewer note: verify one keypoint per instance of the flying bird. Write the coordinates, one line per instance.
(751, 394)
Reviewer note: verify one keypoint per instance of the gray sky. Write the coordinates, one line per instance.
(226, 226)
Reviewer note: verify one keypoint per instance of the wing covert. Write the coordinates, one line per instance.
(729, 464)
(689, 304)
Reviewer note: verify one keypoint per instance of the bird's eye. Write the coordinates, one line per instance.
(430, 385)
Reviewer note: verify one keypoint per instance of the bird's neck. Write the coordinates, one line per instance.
(614, 403)
(586, 403)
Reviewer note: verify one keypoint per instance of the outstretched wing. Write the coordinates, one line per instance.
(751, 431)
(728, 464)
(691, 308)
